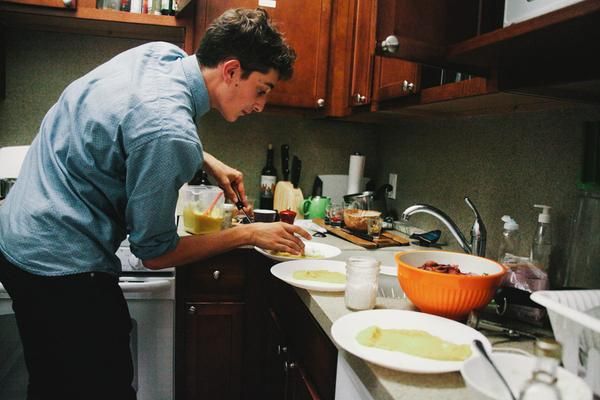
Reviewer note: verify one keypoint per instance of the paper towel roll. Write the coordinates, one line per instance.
(355, 173)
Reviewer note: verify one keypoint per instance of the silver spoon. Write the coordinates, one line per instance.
(484, 353)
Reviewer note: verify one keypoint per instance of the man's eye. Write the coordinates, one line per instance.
(262, 92)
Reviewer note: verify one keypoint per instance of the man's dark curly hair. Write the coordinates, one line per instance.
(248, 36)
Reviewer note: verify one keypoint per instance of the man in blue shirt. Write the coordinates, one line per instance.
(108, 161)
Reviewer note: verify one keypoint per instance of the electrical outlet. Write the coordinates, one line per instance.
(392, 180)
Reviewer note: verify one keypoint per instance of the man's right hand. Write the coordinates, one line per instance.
(278, 236)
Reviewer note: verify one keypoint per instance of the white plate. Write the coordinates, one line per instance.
(345, 329)
(310, 248)
(285, 272)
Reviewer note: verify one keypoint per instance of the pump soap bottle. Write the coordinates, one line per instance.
(509, 245)
(541, 247)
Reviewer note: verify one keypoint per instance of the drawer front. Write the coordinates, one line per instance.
(221, 278)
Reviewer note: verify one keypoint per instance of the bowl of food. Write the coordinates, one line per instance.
(356, 219)
(446, 283)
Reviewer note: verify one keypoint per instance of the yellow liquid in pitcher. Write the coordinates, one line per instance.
(197, 223)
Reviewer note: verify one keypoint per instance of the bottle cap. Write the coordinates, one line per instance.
(544, 216)
(509, 223)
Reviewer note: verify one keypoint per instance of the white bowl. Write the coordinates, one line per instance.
(484, 384)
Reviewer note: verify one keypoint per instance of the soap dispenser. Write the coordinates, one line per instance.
(509, 245)
(541, 246)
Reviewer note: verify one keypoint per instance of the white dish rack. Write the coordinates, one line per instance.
(575, 319)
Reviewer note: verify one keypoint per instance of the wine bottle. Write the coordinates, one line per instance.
(268, 179)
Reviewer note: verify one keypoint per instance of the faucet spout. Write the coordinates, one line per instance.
(440, 215)
(478, 232)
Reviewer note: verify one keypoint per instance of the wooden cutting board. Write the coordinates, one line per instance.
(387, 239)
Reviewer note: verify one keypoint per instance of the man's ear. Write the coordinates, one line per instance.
(232, 71)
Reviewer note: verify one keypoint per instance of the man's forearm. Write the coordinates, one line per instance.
(198, 247)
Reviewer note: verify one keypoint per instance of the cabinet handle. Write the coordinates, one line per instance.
(321, 103)
(408, 86)
(216, 274)
(360, 99)
(390, 44)
(68, 3)
(281, 349)
(288, 365)
(191, 310)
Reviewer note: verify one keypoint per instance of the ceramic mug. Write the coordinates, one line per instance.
(315, 207)
(261, 215)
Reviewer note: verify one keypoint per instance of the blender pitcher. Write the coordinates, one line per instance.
(203, 209)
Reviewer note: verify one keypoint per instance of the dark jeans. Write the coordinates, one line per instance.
(75, 333)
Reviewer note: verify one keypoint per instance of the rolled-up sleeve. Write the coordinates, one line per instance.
(155, 172)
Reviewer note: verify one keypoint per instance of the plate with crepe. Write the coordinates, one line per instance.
(408, 341)
(312, 251)
(318, 275)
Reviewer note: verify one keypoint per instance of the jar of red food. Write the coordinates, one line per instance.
(287, 216)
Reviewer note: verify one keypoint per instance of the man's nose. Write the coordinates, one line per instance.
(259, 105)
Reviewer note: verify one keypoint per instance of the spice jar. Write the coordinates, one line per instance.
(361, 283)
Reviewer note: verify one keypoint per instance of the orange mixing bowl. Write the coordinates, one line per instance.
(447, 295)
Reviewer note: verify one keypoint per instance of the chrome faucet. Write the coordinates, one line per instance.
(478, 232)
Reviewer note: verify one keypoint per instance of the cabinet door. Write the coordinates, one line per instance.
(306, 27)
(213, 351)
(393, 78)
(274, 375)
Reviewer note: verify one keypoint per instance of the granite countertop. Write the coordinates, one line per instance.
(383, 383)
(380, 382)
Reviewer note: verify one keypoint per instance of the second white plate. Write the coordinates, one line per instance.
(285, 272)
(345, 329)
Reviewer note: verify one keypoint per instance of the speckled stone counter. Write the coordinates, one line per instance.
(382, 383)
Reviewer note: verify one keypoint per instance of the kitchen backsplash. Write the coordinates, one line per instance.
(504, 163)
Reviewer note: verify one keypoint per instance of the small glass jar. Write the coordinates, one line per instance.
(361, 283)
(542, 384)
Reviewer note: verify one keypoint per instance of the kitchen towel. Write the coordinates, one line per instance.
(355, 172)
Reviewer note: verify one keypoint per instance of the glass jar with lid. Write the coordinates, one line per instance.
(361, 283)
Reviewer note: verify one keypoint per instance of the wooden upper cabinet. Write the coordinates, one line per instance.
(306, 26)
(468, 35)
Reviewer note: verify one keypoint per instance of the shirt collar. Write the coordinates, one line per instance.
(197, 85)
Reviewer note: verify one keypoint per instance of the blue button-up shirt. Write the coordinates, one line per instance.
(108, 160)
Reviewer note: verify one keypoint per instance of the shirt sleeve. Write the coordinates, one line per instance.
(155, 172)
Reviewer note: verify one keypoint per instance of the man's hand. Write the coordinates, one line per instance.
(278, 236)
(226, 178)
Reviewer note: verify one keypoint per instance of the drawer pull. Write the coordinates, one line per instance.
(216, 274)
(191, 310)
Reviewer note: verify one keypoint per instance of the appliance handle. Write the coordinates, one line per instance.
(138, 286)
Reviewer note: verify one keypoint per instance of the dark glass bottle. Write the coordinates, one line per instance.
(268, 179)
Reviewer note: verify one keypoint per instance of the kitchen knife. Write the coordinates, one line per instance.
(296, 168)
(240, 206)
(285, 161)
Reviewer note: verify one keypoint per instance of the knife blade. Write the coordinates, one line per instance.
(285, 161)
